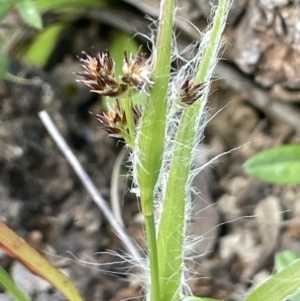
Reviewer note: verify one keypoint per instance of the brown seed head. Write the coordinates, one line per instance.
(136, 71)
(99, 75)
(190, 92)
(114, 121)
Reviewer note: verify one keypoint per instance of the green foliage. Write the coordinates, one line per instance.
(42, 46)
(148, 143)
(27, 9)
(8, 284)
(280, 165)
(193, 298)
(3, 65)
(5, 7)
(70, 5)
(171, 231)
(282, 260)
(280, 286)
(151, 140)
(30, 13)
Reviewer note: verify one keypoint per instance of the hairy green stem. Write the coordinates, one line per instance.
(152, 254)
(151, 136)
(173, 220)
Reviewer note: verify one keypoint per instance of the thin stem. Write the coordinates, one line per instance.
(152, 253)
(151, 136)
(23, 81)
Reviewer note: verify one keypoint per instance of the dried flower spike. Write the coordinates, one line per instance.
(114, 121)
(137, 71)
(99, 75)
(189, 92)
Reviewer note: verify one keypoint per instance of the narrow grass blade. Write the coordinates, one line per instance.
(46, 41)
(17, 248)
(8, 284)
(193, 298)
(151, 136)
(173, 221)
(4, 62)
(280, 165)
(44, 5)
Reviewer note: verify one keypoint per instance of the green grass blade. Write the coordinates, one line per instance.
(173, 219)
(9, 285)
(42, 46)
(4, 62)
(279, 286)
(44, 5)
(151, 136)
(280, 165)
(282, 260)
(172, 223)
(285, 258)
(295, 297)
(193, 298)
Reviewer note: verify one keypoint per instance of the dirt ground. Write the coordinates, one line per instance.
(244, 222)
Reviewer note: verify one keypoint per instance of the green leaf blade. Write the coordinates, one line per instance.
(280, 286)
(4, 62)
(44, 5)
(279, 165)
(194, 298)
(283, 259)
(39, 51)
(151, 137)
(4, 9)
(30, 14)
(9, 285)
(172, 227)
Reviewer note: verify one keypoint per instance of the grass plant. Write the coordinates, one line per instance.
(162, 135)
(162, 132)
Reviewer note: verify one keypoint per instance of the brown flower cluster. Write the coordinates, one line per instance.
(99, 73)
(190, 92)
(136, 71)
(115, 120)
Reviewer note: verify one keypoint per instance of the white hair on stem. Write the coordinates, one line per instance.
(190, 57)
(189, 70)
